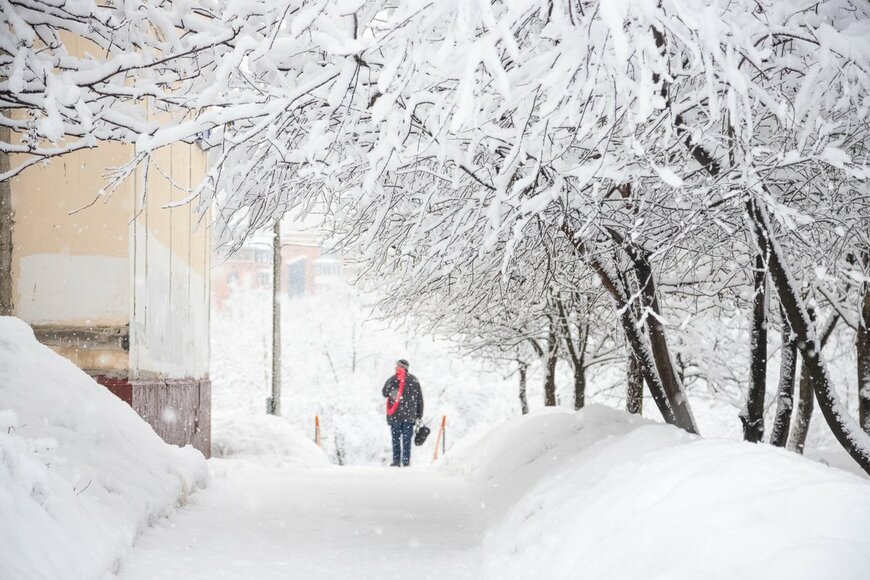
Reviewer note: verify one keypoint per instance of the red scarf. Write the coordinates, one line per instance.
(391, 409)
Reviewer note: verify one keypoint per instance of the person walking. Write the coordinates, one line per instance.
(404, 409)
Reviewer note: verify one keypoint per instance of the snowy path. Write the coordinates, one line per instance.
(338, 523)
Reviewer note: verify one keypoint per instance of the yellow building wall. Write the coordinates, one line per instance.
(71, 265)
(123, 259)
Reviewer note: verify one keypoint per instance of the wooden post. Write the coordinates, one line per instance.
(441, 437)
(317, 430)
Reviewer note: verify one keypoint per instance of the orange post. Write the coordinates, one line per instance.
(317, 430)
(441, 437)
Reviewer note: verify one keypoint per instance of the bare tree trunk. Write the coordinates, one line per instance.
(524, 400)
(862, 341)
(785, 392)
(275, 408)
(806, 401)
(579, 387)
(636, 341)
(634, 391)
(752, 414)
(634, 394)
(658, 341)
(577, 354)
(552, 358)
(339, 448)
(846, 430)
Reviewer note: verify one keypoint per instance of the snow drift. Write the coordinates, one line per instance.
(269, 439)
(603, 494)
(80, 473)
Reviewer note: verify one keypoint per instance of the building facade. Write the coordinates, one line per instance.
(118, 283)
(305, 267)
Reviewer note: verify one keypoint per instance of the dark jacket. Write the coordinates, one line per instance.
(411, 405)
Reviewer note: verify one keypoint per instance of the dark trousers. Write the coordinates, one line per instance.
(402, 432)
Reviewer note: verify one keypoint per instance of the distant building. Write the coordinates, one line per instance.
(327, 271)
(299, 252)
(121, 288)
(305, 268)
(248, 267)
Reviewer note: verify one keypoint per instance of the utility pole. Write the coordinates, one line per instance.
(275, 407)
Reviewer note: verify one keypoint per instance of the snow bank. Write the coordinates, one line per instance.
(270, 439)
(512, 458)
(80, 473)
(602, 494)
(836, 456)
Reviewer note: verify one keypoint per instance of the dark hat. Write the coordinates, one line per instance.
(402, 363)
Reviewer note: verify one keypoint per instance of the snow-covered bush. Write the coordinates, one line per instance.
(81, 474)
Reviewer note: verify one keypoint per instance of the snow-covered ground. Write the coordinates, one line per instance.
(81, 475)
(351, 522)
(598, 494)
(266, 440)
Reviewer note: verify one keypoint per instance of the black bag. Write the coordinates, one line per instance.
(421, 435)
